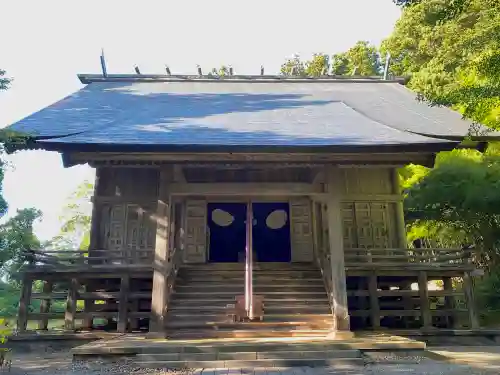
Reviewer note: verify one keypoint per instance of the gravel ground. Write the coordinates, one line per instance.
(377, 364)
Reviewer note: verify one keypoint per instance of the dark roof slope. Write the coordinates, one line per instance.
(307, 113)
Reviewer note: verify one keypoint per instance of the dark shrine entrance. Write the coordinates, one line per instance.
(227, 233)
(226, 230)
(271, 232)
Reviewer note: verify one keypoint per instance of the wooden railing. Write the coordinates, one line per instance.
(61, 259)
(407, 258)
(323, 261)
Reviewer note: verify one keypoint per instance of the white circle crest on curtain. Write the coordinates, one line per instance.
(277, 219)
(222, 218)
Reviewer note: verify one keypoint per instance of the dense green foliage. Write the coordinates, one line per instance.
(361, 60)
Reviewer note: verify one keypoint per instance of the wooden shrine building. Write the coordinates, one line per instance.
(182, 161)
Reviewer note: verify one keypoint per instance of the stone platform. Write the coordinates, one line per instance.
(234, 353)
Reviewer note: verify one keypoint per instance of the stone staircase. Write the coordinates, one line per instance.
(295, 300)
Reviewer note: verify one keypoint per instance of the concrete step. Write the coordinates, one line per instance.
(250, 355)
(341, 363)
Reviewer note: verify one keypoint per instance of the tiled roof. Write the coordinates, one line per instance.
(242, 113)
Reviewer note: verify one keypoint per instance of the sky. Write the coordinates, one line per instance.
(45, 44)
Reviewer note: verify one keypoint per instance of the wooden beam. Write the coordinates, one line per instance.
(123, 304)
(159, 292)
(469, 300)
(374, 304)
(394, 158)
(45, 305)
(336, 241)
(425, 309)
(247, 189)
(24, 302)
(70, 312)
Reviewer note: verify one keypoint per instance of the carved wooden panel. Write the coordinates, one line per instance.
(116, 225)
(301, 230)
(128, 227)
(349, 225)
(367, 225)
(196, 232)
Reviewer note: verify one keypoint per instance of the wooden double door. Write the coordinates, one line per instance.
(270, 231)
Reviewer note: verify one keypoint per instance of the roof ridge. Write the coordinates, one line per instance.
(91, 78)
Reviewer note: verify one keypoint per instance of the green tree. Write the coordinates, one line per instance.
(318, 65)
(459, 200)
(451, 50)
(294, 67)
(75, 218)
(4, 80)
(4, 85)
(16, 236)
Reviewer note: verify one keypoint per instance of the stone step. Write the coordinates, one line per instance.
(340, 363)
(259, 346)
(257, 289)
(187, 334)
(250, 355)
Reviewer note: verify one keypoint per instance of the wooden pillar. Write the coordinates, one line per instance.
(69, 314)
(123, 304)
(159, 292)
(400, 216)
(24, 303)
(45, 305)
(469, 300)
(95, 223)
(374, 305)
(449, 302)
(336, 244)
(424, 300)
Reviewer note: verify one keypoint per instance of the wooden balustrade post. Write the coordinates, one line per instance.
(24, 303)
(45, 305)
(123, 304)
(469, 300)
(336, 242)
(424, 300)
(374, 304)
(69, 314)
